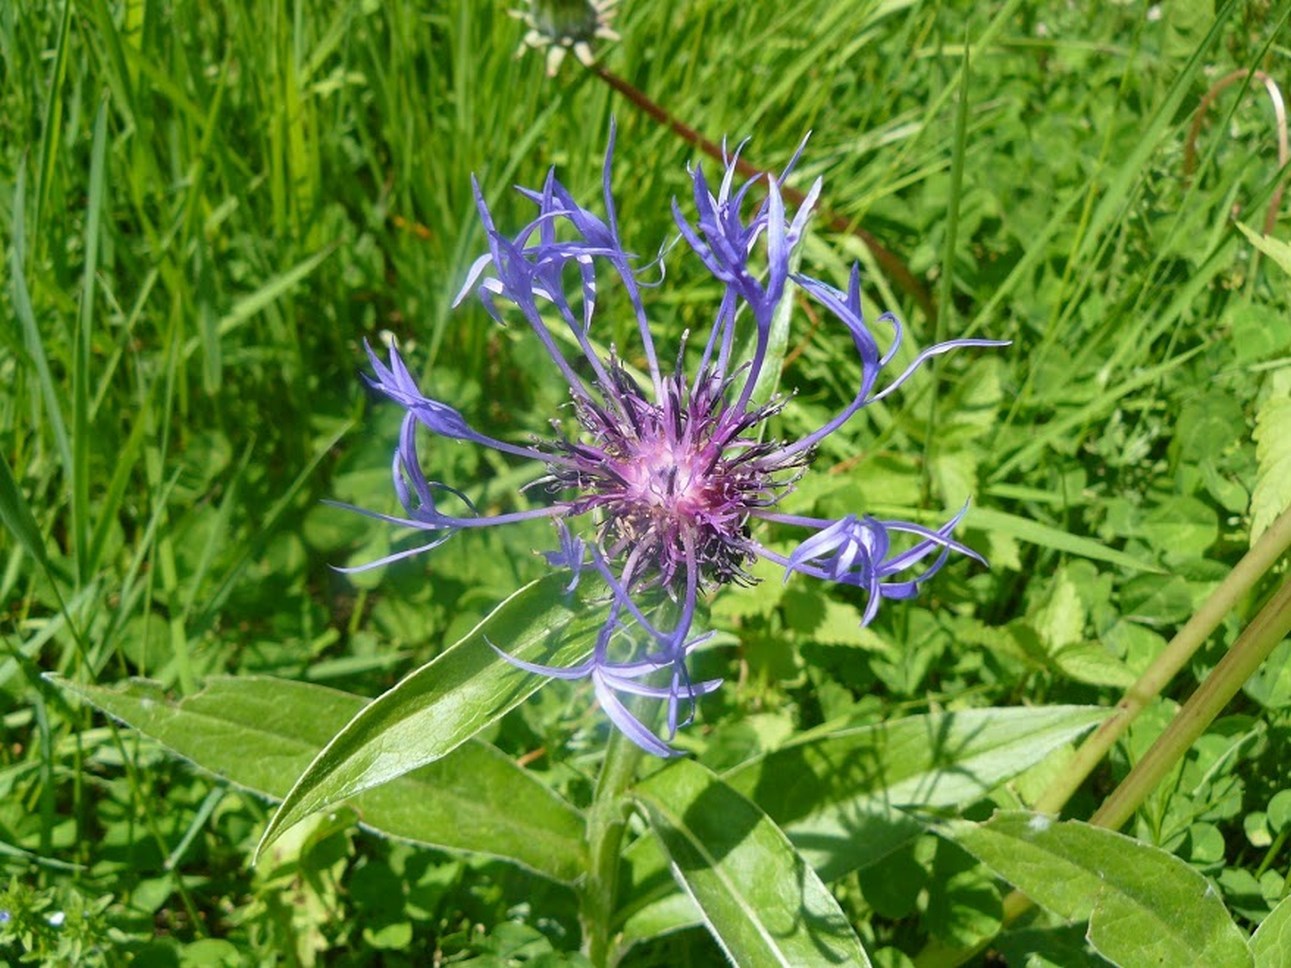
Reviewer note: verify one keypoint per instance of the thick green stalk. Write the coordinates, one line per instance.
(607, 819)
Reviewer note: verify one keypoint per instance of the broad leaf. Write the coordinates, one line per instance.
(1271, 943)
(445, 702)
(837, 795)
(1274, 248)
(259, 733)
(1144, 906)
(760, 900)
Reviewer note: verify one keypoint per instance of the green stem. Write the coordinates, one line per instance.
(606, 821)
(1242, 661)
(1265, 553)
(1271, 854)
(1245, 656)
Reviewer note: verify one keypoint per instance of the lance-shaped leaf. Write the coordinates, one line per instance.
(445, 702)
(651, 903)
(1144, 905)
(762, 903)
(259, 733)
(837, 795)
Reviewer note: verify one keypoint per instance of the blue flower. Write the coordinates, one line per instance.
(658, 488)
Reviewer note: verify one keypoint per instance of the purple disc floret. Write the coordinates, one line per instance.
(657, 487)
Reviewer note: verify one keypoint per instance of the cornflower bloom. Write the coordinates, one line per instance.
(668, 474)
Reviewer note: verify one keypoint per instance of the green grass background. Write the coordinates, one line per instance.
(205, 209)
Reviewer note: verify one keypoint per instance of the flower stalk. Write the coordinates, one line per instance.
(607, 819)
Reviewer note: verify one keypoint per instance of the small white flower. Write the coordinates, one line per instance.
(565, 25)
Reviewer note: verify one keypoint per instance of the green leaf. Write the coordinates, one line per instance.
(1279, 811)
(1275, 249)
(1272, 493)
(445, 702)
(657, 907)
(1091, 662)
(1144, 906)
(1271, 684)
(1271, 942)
(1161, 600)
(258, 732)
(33, 337)
(269, 292)
(836, 796)
(964, 905)
(1060, 621)
(16, 516)
(650, 902)
(1047, 536)
(760, 900)
(1182, 526)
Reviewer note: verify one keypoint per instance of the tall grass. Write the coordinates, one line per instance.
(207, 209)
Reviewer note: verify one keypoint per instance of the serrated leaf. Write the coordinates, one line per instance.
(259, 732)
(1272, 493)
(1271, 942)
(810, 612)
(445, 702)
(1271, 684)
(1061, 619)
(1182, 526)
(738, 602)
(759, 899)
(1144, 906)
(1090, 662)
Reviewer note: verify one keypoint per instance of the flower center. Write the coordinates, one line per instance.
(664, 477)
(672, 480)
